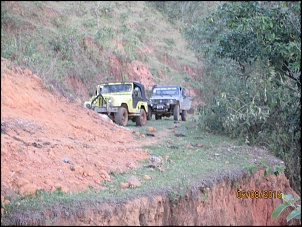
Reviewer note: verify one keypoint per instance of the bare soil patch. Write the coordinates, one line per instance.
(49, 142)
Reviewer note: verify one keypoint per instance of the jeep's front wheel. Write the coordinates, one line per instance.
(149, 116)
(184, 115)
(141, 120)
(176, 112)
(121, 117)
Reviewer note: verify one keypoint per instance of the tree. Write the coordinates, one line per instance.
(262, 101)
(248, 31)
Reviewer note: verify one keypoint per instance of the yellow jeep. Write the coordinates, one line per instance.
(121, 101)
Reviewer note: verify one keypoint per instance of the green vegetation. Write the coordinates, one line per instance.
(251, 53)
(289, 202)
(252, 89)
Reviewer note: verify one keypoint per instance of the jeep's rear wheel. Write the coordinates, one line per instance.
(149, 116)
(184, 115)
(141, 120)
(121, 117)
(176, 112)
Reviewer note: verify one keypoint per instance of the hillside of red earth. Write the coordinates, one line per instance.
(48, 142)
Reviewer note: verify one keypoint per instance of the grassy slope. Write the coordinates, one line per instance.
(48, 38)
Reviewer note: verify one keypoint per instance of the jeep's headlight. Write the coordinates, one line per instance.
(94, 102)
(172, 101)
(110, 100)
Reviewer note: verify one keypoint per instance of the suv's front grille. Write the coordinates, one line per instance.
(160, 101)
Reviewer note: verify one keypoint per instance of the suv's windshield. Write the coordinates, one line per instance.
(165, 91)
(113, 88)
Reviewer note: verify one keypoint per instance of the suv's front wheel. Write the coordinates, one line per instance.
(176, 112)
(121, 116)
(141, 120)
(184, 115)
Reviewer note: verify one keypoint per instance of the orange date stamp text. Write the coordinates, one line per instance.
(258, 194)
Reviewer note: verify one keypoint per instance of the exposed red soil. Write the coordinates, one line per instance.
(215, 206)
(48, 142)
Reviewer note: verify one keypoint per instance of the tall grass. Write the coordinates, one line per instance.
(57, 40)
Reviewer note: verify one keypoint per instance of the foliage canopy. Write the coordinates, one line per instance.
(252, 55)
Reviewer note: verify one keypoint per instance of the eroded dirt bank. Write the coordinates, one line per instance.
(216, 205)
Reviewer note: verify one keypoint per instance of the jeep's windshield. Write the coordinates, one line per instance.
(115, 88)
(165, 91)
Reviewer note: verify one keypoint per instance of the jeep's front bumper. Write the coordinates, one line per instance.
(105, 109)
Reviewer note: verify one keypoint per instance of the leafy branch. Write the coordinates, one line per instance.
(289, 202)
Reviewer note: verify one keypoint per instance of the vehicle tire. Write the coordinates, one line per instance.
(176, 112)
(149, 115)
(121, 117)
(141, 120)
(157, 117)
(183, 115)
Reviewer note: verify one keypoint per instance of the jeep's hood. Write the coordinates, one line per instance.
(116, 98)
